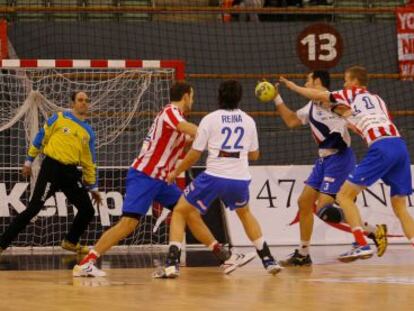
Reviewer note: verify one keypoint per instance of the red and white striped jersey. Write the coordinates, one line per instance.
(163, 144)
(370, 117)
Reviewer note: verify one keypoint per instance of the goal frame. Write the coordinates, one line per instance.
(177, 65)
(15, 64)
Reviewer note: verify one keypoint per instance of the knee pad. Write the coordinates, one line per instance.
(331, 213)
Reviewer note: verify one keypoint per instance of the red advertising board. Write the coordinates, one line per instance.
(3, 39)
(405, 37)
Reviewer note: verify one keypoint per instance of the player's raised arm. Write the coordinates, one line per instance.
(309, 93)
(289, 117)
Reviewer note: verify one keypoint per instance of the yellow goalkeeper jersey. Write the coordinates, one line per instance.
(68, 140)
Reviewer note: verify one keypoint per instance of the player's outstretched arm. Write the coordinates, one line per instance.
(190, 159)
(309, 93)
(187, 128)
(288, 116)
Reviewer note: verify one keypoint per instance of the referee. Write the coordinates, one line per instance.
(67, 141)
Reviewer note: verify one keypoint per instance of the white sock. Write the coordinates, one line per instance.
(178, 244)
(304, 248)
(259, 243)
(368, 228)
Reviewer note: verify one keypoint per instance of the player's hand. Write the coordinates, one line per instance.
(171, 177)
(96, 198)
(27, 171)
(289, 84)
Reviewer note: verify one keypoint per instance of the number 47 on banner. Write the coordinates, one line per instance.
(265, 192)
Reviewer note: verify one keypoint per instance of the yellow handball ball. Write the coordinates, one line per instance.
(265, 91)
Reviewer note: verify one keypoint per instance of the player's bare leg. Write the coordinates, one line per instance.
(199, 229)
(306, 202)
(399, 205)
(186, 214)
(254, 233)
(111, 237)
(346, 199)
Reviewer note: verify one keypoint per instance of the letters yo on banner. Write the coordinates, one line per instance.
(405, 39)
(319, 46)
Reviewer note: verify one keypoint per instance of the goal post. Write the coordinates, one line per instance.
(125, 96)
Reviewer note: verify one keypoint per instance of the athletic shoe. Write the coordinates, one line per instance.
(381, 239)
(237, 260)
(271, 266)
(167, 272)
(76, 248)
(296, 259)
(357, 252)
(87, 269)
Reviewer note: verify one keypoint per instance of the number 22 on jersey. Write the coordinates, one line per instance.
(232, 135)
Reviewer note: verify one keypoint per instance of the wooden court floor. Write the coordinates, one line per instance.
(385, 283)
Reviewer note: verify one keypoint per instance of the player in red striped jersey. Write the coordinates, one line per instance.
(387, 157)
(145, 182)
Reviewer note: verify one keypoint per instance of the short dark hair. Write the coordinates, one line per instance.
(178, 90)
(324, 76)
(359, 73)
(229, 94)
(73, 95)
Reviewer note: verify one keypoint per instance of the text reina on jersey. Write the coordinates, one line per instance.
(234, 118)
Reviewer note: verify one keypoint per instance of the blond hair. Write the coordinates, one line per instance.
(359, 73)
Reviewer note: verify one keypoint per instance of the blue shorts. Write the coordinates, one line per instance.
(329, 173)
(142, 190)
(206, 188)
(386, 159)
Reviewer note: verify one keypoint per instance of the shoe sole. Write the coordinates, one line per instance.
(78, 272)
(353, 258)
(275, 270)
(247, 258)
(286, 264)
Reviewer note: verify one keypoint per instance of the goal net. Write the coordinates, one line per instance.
(125, 96)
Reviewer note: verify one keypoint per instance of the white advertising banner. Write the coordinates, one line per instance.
(274, 192)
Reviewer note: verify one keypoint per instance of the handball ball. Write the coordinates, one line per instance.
(265, 91)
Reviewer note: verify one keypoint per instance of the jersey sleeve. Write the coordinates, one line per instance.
(88, 163)
(173, 117)
(41, 139)
(340, 97)
(303, 113)
(254, 146)
(201, 140)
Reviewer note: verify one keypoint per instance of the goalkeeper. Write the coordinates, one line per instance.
(67, 141)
